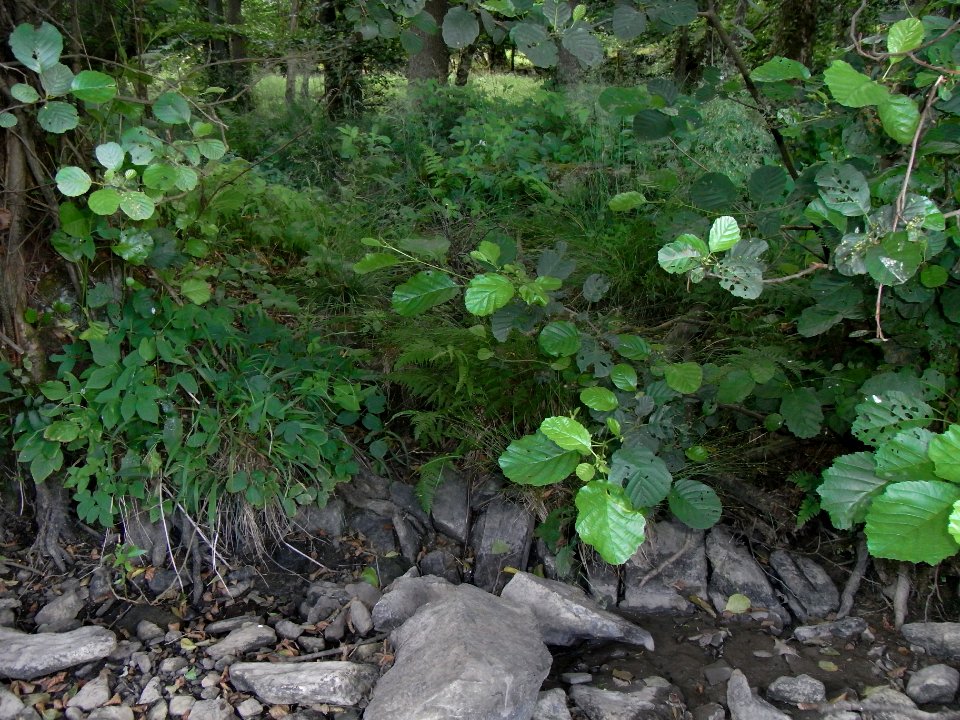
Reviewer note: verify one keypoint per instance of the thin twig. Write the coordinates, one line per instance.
(813, 267)
(655, 572)
(874, 709)
(905, 187)
(853, 582)
(13, 346)
(335, 651)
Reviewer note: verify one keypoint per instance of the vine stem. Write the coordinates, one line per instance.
(812, 268)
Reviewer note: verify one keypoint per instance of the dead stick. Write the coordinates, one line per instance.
(853, 582)
(335, 651)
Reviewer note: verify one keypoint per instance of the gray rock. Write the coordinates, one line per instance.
(466, 655)
(364, 592)
(744, 705)
(73, 714)
(717, 672)
(360, 618)
(222, 627)
(576, 678)
(603, 581)
(442, 564)
(735, 571)
(239, 641)
(407, 536)
(551, 705)
(797, 690)
(710, 711)
(680, 551)
(25, 657)
(654, 702)
(249, 708)
(212, 709)
(164, 579)
(451, 508)
(933, 684)
(94, 694)
(405, 596)
(810, 591)
(309, 683)
(879, 704)
(147, 632)
(405, 497)
(61, 611)
(846, 629)
(288, 630)
(172, 665)
(312, 644)
(377, 530)
(158, 711)
(565, 614)
(337, 629)
(10, 705)
(150, 693)
(101, 584)
(938, 639)
(328, 520)
(114, 712)
(500, 538)
(180, 705)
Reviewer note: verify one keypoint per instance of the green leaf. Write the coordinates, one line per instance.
(211, 149)
(47, 462)
(904, 36)
(844, 189)
(802, 412)
(582, 44)
(767, 184)
(24, 93)
(374, 261)
(487, 293)
(909, 522)
(724, 234)
(56, 80)
(423, 291)
(134, 246)
(93, 87)
(683, 254)
(624, 377)
(651, 124)
(643, 475)
(534, 42)
(945, 454)
(851, 88)
(460, 27)
(74, 221)
(58, 117)
(72, 181)
(714, 191)
(904, 456)
(815, 320)
(628, 23)
(934, 276)
(585, 471)
(633, 347)
(559, 339)
(62, 431)
(568, 434)
(7, 120)
(160, 176)
(537, 460)
(36, 47)
(599, 399)
(883, 415)
(105, 201)
(900, 118)
(53, 390)
(849, 486)
(954, 525)
(737, 604)
(735, 386)
(684, 377)
(171, 108)
(187, 178)
(136, 205)
(895, 260)
(626, 201)
(607, 521)
(778, 69)
(111, 156)
(196, 290)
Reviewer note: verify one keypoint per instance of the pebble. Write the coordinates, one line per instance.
(312, 644)
(115, 712)
(797, 690)
(576, 678)
(149, 632)
(718, 672)
(222, 627)
(171, 665)
(933, 684)
(846, 629)
(360, 618)
(150, 693)
(243, 639)
(180, 705)
(288, 630)
(94, 694)
(143, 662)
(158, 711)
(249, 708)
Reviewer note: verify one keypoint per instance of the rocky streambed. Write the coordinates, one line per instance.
(694, 626)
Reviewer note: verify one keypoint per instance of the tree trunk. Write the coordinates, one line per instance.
(568, 72)
(292, 62)
(797, 29)
(342, 66)
(433, 61)
(464, 65)
(239, 69)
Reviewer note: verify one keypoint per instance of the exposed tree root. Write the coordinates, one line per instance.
(853, 582)
(50, 516)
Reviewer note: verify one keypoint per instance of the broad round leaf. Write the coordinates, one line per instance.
(58, 117)
(779, 69)
(900, 118)
(160, 176)
(882, 415)
(74, 221)
(93, 87)
(624, 377)
(375, 261)
(633, 347)
(684, 377)
(595, 287)
(537, 460)
(607, 521)
(196, 290)
(683, 254)
(623, 101)
(134, 246)
(24, 93)
(851, 88)
(673, 12)
(844, 189)
(583, 45)
(599, 399)
(136, 205)
(171, 108)
(905, 35)
(72, 181)
(644, 476)
(7, 120)
(211, 149)
(110, 155)
(423, 291)
(713, 191)
(567, 433)
(802, 412)
(895, 260)
(626, 201)
(460, 27)
(766, 184)
(934, 276)
(105, 201)
(559, 339)
(487, 293)
(36, 47)
(187, 178)
(56, 80)
(724, 234)
(651, 124)
(742, 277)
(954, 524)
(628, 23)
(696, 505)
(945, 454)
(909, 522)
(904, 456)
(735, 386)
(848, 488)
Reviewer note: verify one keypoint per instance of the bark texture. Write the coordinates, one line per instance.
(433, 61)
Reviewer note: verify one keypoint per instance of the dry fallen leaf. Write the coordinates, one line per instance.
(828, 665)
(781, 648)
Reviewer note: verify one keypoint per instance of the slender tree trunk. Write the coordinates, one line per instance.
(464, 65)
(433, 61)
(568, 71)
(292, 62)
(239, 74)
(342, 67)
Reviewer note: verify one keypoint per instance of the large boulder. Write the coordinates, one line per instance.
(405, 596)
(668, 568)
(500, 538)
(310, 683)
(467, 655)
(735, 571)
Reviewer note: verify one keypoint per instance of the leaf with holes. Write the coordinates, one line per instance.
(567, 433)
(895, 260)
(851, 88)
(909, 522)
(686, 377)
(945, 454)
(36, 47)
(134, 246)
(608, 522)
(904, 456)
(423, 291)
(58, 117)
(848, 488)
(487, 293)
(696, 505)
(643, 475)
(741, 277)
(882, 415)
(534, 42)
(559, 339)
(537, 460)
(72, 181)
(844, 189)
(136, 205)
